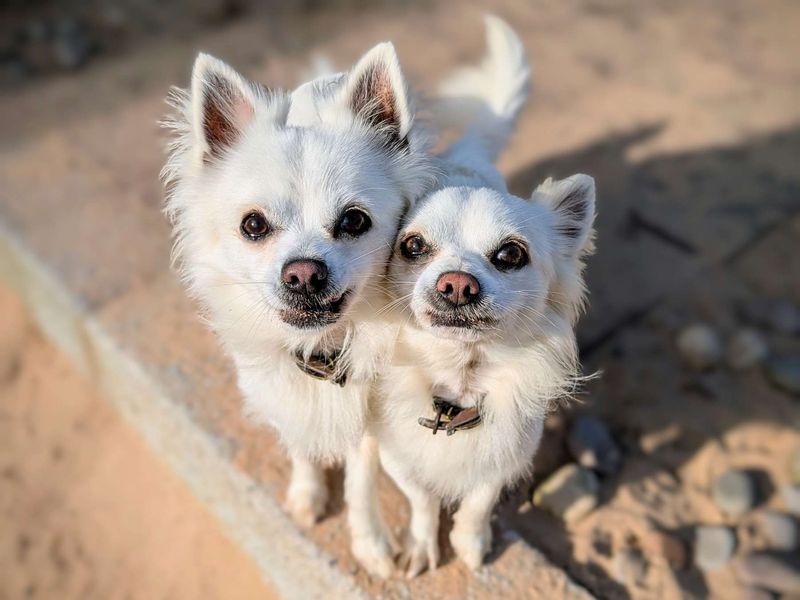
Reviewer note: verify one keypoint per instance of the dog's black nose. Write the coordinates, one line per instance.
(458, 288)
(305, 276)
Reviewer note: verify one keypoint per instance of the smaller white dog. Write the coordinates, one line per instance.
(490, 286)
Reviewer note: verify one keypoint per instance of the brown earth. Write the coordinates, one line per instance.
(687, 114)
(86, 511)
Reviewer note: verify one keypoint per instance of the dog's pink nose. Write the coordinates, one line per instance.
(306, 277)
(458, 288)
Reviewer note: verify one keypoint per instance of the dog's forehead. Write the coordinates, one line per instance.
(316, 170)
(468, 217)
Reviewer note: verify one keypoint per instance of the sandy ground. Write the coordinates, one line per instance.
(86, 511)
(686, 113)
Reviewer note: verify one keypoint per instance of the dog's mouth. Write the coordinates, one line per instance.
(458, 320)
(313, 313)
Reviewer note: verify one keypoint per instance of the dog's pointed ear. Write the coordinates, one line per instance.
(223, 105)
(376, 92)
(572, 201)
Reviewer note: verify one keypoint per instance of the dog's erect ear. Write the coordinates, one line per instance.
(376, 92)
(223, 104)
(572, 201)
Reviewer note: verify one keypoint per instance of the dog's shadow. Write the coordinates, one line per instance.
(749, 184)
(654, 218)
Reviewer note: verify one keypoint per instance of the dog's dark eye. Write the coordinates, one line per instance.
(414, 246)
(354, 222)
(511, 255)
(254, 226)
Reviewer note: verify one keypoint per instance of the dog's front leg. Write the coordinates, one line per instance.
(422, 542)
(471, 536)
(370, 541)
(307, 495)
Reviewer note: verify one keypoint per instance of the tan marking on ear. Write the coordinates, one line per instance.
(225, 111)
(374, 101)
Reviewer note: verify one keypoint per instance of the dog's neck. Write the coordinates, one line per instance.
(520, 378)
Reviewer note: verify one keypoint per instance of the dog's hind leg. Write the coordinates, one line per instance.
(370, 541)
(307, 494)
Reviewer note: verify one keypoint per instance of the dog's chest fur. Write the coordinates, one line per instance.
(499, 449)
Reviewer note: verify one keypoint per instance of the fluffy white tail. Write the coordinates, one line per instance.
(486, 99)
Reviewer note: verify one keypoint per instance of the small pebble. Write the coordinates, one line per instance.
(71, 46)
(629, 567)
(791, 498)
(770, 530)
(784, 373)
(734, 493)
(774, 571)
(667, 547)
(570, 493)
(784, 317)
(653, 441)
(713, 547)
(746, 348)
(700, 347)
(592, 446)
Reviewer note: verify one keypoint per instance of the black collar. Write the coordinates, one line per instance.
(451, 417)
(322, 366)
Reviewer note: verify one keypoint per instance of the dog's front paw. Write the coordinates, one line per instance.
(471, 546)
(306, 505)
(420, 554)
(375, 553)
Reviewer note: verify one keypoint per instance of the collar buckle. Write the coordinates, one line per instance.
(451, 418)
(322, 366)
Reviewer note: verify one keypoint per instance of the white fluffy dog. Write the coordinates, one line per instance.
(490, 286)
(285, 209)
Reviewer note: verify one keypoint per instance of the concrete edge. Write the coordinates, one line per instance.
(249, 514)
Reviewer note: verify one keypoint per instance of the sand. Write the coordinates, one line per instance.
(86, 511)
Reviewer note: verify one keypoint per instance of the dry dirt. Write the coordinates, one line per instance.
(86, 511)
(686, 113)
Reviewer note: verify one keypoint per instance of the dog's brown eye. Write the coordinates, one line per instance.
(254, 226)
(354, 222)
(413, 247)
(511, 255)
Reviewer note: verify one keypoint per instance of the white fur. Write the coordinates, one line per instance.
(515, 369)
(299, 159)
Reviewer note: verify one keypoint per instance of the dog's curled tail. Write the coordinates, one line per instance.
(486, 98)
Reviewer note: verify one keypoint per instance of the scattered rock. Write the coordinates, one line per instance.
(769, 530)
(746, 348)
(592, 446)
(700, 347)
(570, 493)
(667, 547)
(734, 493)
(774, 571)
(629, 567)
(784, 372)
(784, 317)
(653, 441)
(713, 547)
(794, 466)
(602, 542)
(71, 45)
(791, 498)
